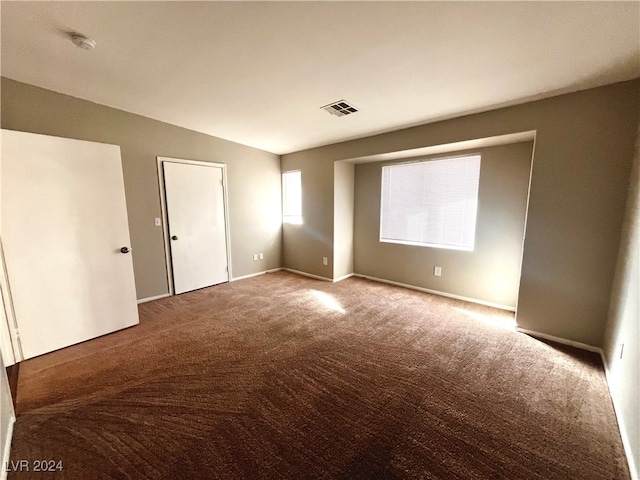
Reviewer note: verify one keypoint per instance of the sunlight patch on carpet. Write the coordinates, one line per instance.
(327, 301)
(493, 320)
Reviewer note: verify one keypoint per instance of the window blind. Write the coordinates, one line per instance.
(431, 203)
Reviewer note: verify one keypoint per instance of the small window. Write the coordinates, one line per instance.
(292, 197)
(431, 203)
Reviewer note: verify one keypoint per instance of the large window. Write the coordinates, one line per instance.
(292, 197)
(431, 203)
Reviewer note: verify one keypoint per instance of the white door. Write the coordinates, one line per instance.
(63, 224)
(197, 227)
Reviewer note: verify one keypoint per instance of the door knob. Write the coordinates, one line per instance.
(174, 237)
(125, 250)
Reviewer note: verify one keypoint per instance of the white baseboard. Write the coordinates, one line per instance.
(310, 275)
(279, 269)
(563, 341)
(257, 274)
(633, 468)
(7, 449)
(151, 299)
(344, 277)
(251, 275)
(436, 292)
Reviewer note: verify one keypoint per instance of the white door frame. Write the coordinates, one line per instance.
(165, 221)
(9, 338)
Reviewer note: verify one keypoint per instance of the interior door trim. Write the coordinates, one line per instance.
(9, 338)
(165, 221)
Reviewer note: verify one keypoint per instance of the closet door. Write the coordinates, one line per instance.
(197, 226)
(66, 240)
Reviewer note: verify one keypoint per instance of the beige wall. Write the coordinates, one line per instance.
(582, 159)
(491, 273)
(305, 245)
(583, 152)
(343, 201)
(623, 327)
(253, 175)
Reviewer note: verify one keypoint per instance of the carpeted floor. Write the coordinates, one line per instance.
(285, 377)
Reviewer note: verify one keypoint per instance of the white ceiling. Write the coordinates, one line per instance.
(258, 72)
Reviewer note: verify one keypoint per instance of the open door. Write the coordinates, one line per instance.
(66, 240)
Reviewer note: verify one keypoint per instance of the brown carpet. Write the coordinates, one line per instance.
(285, 377)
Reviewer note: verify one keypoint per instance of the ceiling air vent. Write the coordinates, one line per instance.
(340, 108)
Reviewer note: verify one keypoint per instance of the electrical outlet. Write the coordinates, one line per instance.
(262, 256)
(437, 271)
(325, 261)
(157, 222)
(255, 257)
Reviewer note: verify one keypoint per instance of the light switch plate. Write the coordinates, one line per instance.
(157, 222)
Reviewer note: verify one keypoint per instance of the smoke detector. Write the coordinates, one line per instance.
(82, 41)
(340, 108)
